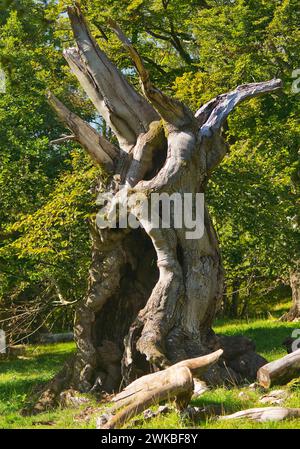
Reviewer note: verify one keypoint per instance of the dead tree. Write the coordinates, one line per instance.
(152, 292)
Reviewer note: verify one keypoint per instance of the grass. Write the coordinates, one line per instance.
(40, 363)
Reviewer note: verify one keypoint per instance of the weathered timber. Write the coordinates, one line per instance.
(174, 383)
(280, 371)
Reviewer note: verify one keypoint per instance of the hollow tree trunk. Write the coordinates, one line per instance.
(153, 292)
(294, 313)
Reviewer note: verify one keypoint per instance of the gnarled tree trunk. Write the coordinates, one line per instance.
(153, 292)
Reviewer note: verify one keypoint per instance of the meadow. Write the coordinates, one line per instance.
(20, 375)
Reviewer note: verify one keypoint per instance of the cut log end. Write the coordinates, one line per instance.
(280, 371)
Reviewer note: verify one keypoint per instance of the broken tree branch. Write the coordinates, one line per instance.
(280, 371)
(175, 382)
(62, 139)
(224, 104)
(100, 149)
(125, 110)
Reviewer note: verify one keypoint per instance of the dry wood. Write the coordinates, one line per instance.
(175, 382)
(126, 112)
(56, 338)
(265, 414)
(280, 371)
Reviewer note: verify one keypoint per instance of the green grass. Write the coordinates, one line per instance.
(40, 363)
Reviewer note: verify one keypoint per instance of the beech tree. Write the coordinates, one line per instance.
(152, 292)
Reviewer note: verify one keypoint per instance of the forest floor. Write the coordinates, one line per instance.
(18, 376)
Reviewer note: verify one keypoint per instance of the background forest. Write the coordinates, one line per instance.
(48, 190)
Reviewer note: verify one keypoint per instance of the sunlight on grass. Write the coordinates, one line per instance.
(18, 376)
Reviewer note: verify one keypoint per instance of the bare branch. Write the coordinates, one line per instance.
(171, 110)
(100, 149)
(265, 414)
(280, 371)
(62, 139)
(224, 104)
(174, 382)
(147, 144)
(126, 112)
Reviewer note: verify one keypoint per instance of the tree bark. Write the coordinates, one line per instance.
(153, 292)
(294, 313)
(175, 382)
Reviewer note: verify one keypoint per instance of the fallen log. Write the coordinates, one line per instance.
(56, 338)
(280, 371)
(264, 414)
(173, 383)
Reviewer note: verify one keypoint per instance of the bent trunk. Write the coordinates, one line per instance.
(153, 291)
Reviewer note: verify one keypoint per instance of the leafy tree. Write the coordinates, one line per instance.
(254, 193)
(30, 55)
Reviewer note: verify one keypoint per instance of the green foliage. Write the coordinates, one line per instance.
(44, 189)
(54, 240)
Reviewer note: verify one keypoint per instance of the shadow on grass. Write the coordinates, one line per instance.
(20, 377)
(46, 362)
(267, 338)
(14, 393)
